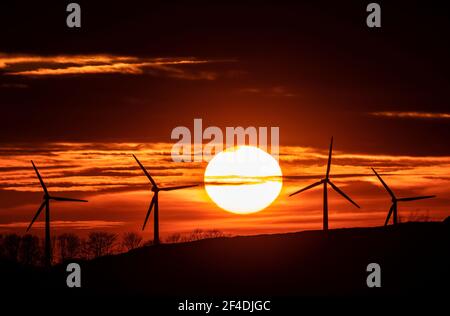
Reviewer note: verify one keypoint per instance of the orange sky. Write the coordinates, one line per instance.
(107, 175)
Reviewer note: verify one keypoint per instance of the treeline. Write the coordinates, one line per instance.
(29, 249)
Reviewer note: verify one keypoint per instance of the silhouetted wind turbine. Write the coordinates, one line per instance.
(326, 181)
(393, 208)
(47, 197)
(154, 201)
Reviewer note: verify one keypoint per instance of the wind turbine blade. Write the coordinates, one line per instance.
(416, 198)
(384, 184)
(146, 173)
(342, 193)
(149, 211)
(329, 158)
(178, 187)
(389, 215)
(40, 178)
(37, 215)
(306, 188)
(66, 199)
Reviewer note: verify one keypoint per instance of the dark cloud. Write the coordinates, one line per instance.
(412, 115)
(37, 66)
(29, 167)
(319, 176)
(13, 86)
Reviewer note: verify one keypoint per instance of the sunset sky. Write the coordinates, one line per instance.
(79, 102)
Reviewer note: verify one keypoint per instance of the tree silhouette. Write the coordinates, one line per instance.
(11, 244)
(174, 238)
(30, 251)
(131, 240)
(100, 244)
(196, 234)
(69, 246)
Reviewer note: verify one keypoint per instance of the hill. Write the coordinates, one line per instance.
(413, 258)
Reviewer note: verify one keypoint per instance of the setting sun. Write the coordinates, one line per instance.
(243, 179)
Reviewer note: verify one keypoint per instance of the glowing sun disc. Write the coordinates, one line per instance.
(243, 179)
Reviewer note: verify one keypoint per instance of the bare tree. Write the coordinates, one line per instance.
(69, 246)
(174, 238)
(131, 240)
(148, 243)
(100, 244)
(196, 234)
(30, 252)
(11, 244)
(419, 216)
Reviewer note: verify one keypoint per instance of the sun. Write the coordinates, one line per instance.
(243, 179)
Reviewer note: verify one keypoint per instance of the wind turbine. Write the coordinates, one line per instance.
(325, 181)
(47, 198)
(155, 188)
(393, 208)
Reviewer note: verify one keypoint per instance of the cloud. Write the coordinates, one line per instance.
(13, 86)
(276, 91)
(66, 224)
(412, 115)
(240, 180)
(85, 168)
(65, 65)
